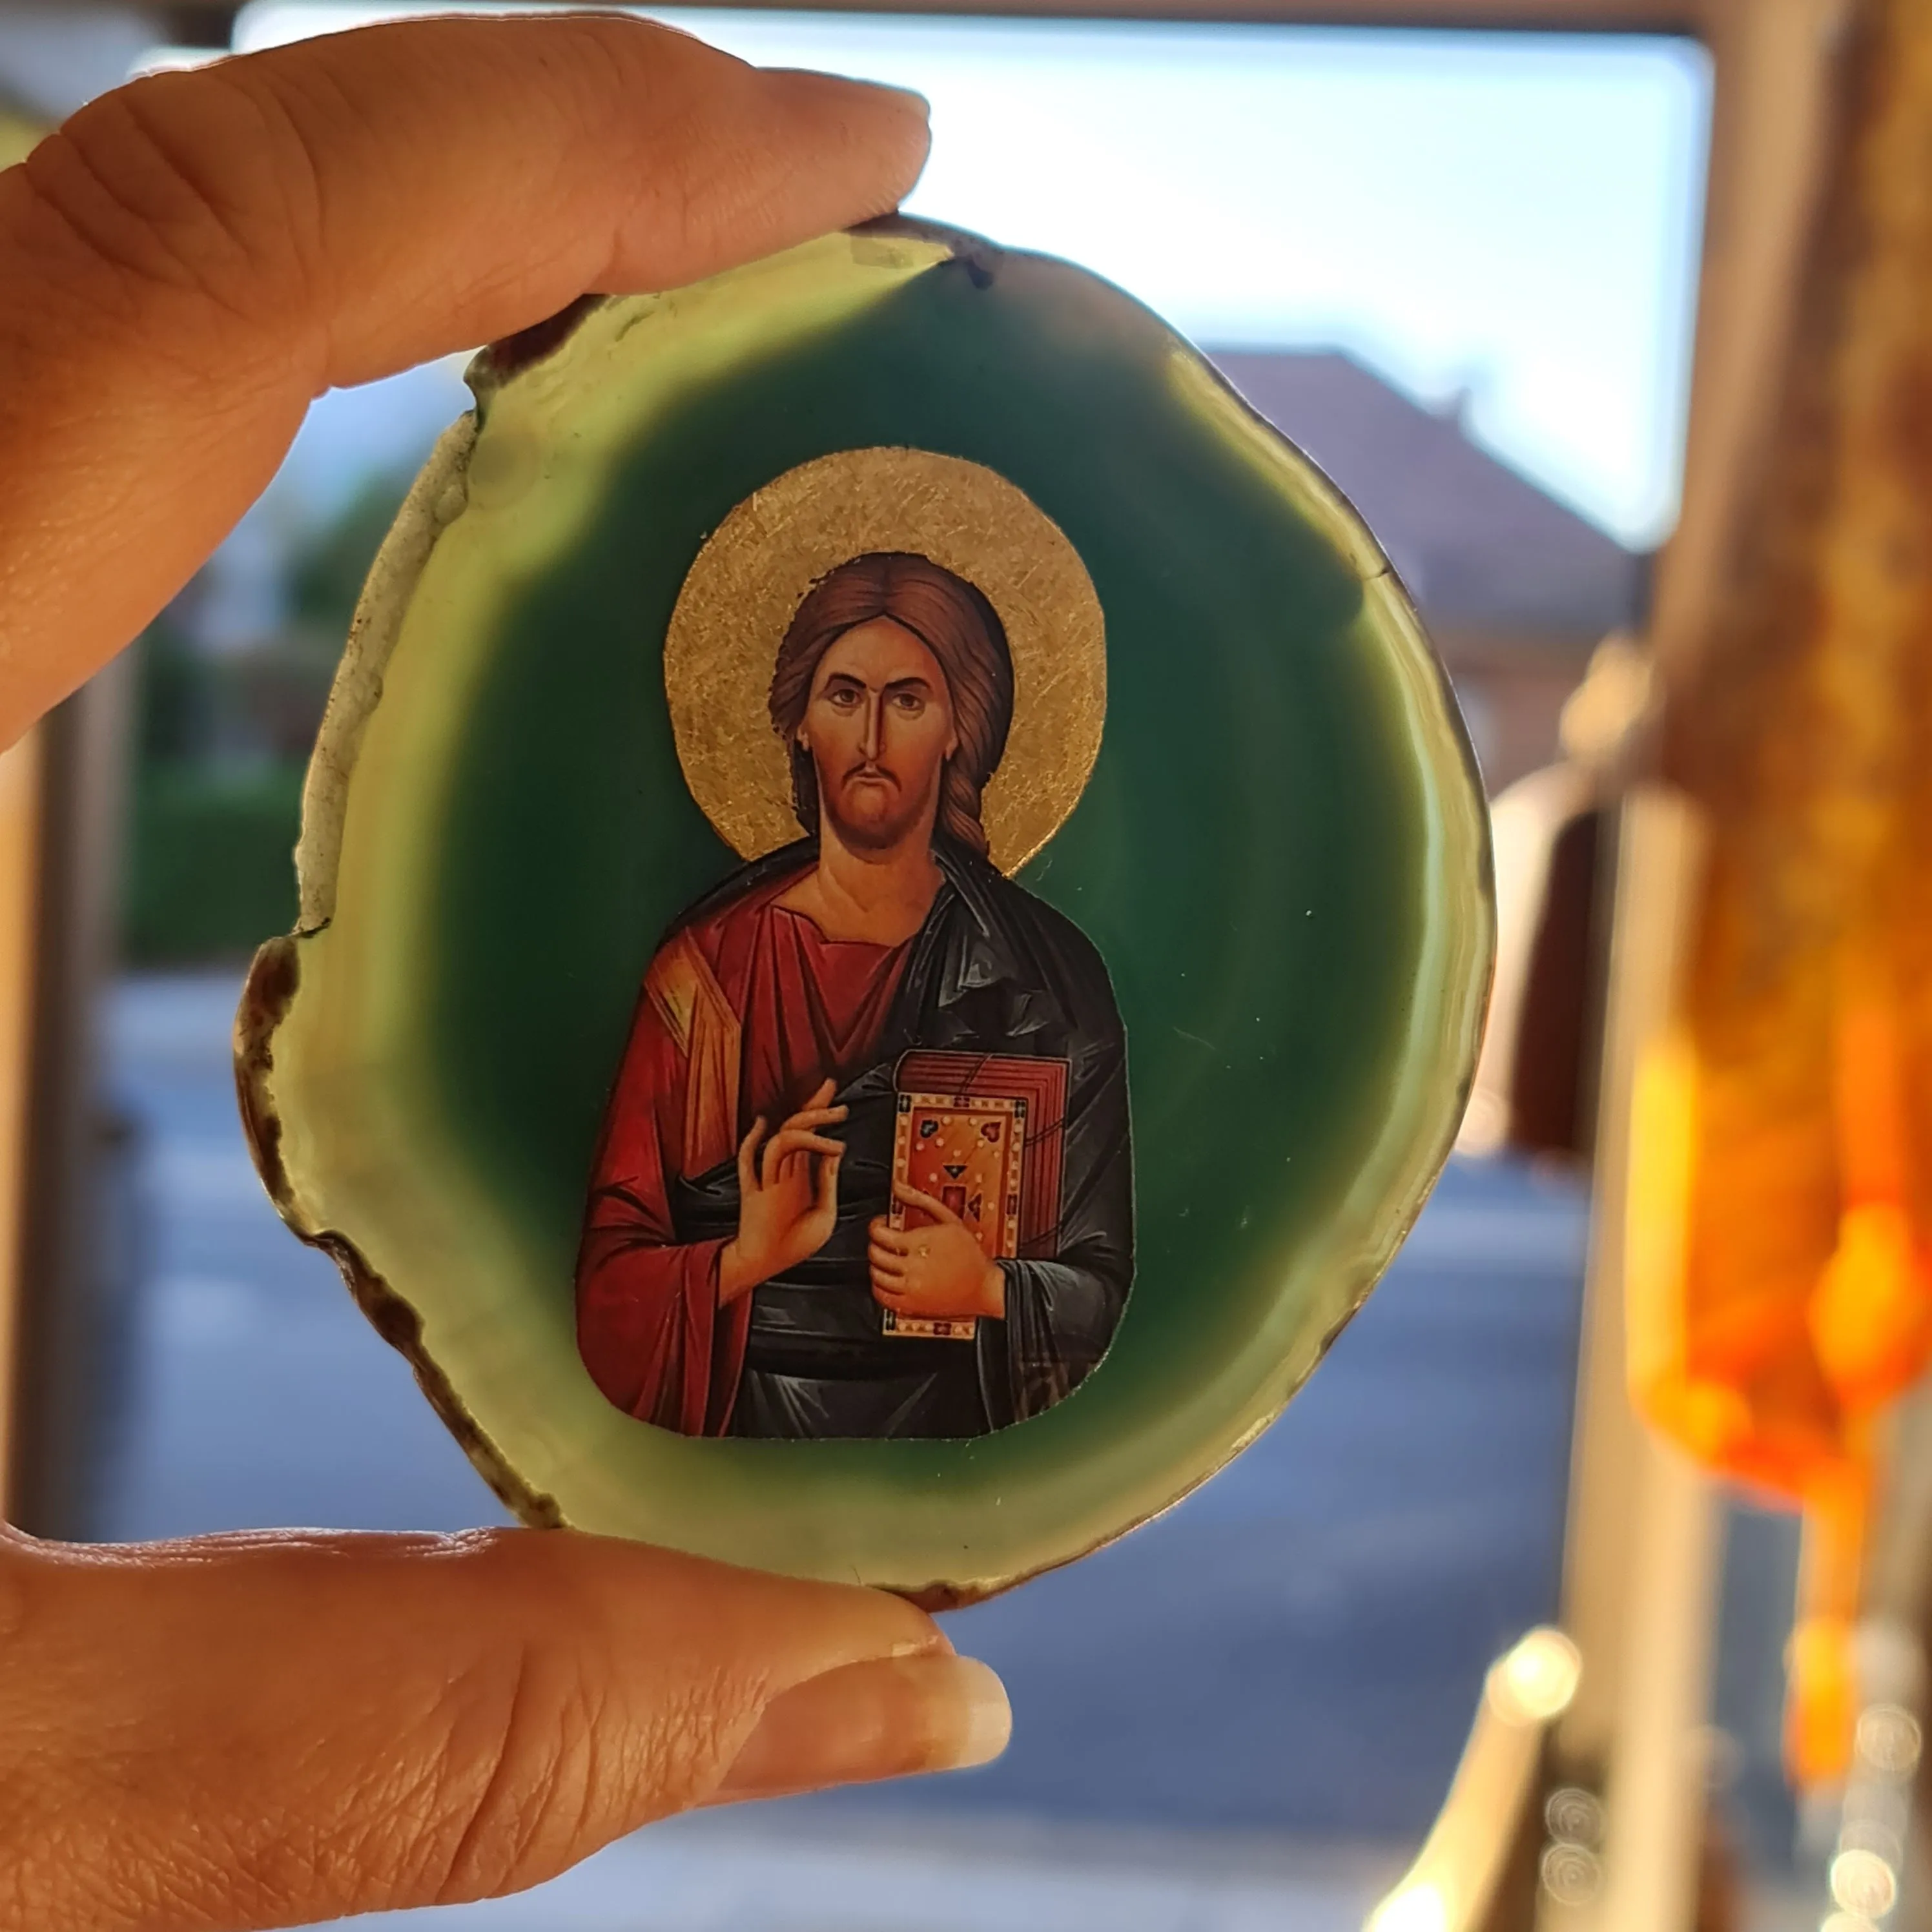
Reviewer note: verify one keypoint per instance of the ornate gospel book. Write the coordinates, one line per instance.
(982, 1134)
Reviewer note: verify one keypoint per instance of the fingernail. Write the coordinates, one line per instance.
(910, 96)
(892, 1717)
(907, 96)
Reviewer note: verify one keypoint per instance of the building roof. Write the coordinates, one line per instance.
(1482, 550)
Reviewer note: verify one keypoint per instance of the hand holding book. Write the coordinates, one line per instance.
(936, 1271)
(977, 1151)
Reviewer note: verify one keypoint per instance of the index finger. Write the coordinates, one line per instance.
(747, 1156)
(913, 1197)
(194, 256)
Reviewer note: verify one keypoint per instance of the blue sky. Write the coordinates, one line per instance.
(1512, 217)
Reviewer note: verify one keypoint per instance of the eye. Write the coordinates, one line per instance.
(842, 698)
(910, 704)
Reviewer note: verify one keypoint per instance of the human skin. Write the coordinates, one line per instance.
(263, 1730)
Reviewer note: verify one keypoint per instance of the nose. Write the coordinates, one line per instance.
(875, 717)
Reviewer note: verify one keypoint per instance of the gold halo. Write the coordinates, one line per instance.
(754, 572)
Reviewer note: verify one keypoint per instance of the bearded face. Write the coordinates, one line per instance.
(892, 645)
(879, 727)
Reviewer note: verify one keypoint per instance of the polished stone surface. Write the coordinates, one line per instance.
(1280, 857)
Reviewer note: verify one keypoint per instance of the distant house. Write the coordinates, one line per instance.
(1516, 589)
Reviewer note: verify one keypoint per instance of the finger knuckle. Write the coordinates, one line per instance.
(510, 1782)
(199, 186)
(517, 1806)
(564, 1747)
(697, 1731)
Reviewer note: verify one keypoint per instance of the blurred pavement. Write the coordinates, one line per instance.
(749, 1872)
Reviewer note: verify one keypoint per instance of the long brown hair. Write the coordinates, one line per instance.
(955, 621)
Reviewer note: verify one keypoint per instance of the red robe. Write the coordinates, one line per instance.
(745, 1013)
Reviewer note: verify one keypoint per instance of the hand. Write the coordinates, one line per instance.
(252, 1731)
(940, 1272)
(193, 257)
(272, 1730)
(787, 1197)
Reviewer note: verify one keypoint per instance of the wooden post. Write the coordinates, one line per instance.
(20, 781)
(59, 874)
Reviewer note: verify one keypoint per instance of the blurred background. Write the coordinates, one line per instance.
(1455, 252)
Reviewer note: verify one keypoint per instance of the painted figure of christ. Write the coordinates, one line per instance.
(740, 1247)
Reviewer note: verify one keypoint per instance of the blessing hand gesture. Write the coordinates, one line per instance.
(787, 1196)
(939, 1273)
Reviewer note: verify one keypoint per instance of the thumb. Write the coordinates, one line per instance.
(926, 1203)
(270, 1730)
(194, 256)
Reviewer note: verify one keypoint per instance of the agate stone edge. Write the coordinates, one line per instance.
(962, 1520)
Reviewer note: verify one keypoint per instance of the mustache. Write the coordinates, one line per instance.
(868, 768)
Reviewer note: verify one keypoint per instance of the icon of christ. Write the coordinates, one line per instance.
(865, 1168)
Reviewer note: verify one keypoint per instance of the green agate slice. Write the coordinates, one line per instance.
(896, 552)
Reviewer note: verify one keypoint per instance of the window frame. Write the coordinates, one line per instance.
(1640, 1540)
